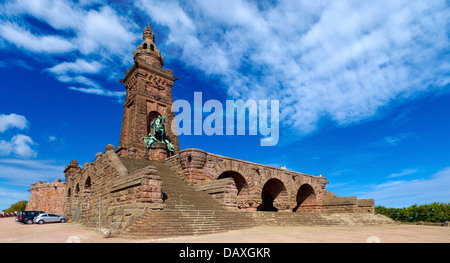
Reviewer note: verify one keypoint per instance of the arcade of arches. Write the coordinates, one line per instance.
(252, 187)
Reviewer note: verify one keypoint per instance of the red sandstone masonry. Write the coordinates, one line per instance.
(124, 197)
(127, 196)
(294, 191)
(47, 197)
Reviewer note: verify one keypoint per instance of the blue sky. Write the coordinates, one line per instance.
(363, 86)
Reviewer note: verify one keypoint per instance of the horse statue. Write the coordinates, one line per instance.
(158, 134)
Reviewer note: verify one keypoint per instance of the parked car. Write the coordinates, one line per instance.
(27, 217)
(49, 218)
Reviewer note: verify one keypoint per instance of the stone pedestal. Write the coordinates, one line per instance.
(158, 152)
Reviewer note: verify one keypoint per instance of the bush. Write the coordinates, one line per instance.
(434, 212)
(19, 206)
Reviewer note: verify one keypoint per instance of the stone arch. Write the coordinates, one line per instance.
(239, 180)
(87, 185)
(306, 199)
(87, 194)
(274, 196)
(77, 190)
(150, 117)
(224, 167)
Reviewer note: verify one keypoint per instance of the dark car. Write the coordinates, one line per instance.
(27, 217)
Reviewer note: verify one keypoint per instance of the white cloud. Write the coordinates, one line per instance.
(73, 72)
(90, 28)
(403, 173)
(79, 66)
(106, 33)
(100, 31)
(343, 60)
(99, 91)
(25, 172)
(12, 121)
(20, 145)
(13, 195)
(394, 140)
(58, 14)
(405, 193)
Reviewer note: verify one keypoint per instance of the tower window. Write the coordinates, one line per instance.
(144, 46)
(152, 47)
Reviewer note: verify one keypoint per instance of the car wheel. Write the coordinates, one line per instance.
(62, 220)
(41, 222)
(29, 221)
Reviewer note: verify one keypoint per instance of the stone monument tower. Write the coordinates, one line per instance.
(149, 95)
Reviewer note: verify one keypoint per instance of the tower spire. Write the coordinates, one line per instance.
(148, 97)
(148, 33)
(148, 51)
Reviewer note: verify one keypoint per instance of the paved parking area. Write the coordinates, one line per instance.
(12, 232)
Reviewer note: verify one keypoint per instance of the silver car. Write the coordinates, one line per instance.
(49, 218)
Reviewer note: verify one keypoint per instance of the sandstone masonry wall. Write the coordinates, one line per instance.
(47, 197)
(106, 185)
(252, 182)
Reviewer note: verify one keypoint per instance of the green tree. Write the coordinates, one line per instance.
(434, 212)
(19, 206)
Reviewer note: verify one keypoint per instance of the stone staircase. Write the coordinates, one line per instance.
(316, 219)
(194, 212)
(186, 212)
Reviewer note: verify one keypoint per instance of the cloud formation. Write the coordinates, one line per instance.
(19, 145)
(40, 44)
(103, 37)
(12, 121)
(25, 172)
(405, 193)
(342, 60)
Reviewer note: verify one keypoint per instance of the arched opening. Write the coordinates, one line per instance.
(69, 193)
(87, 186)
(151, 116)
(237, 192)
(77, 190)
(306, 199)
(152, 47)
(144, 46)
(272, 194)
(86, 196)
(238, 179)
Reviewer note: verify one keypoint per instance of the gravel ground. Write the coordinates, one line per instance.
(13, 232)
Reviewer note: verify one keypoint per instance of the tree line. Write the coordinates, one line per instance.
(19, 206)
(433, 213)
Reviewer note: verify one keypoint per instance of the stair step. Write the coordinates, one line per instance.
(187, 211)
(191, 212)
